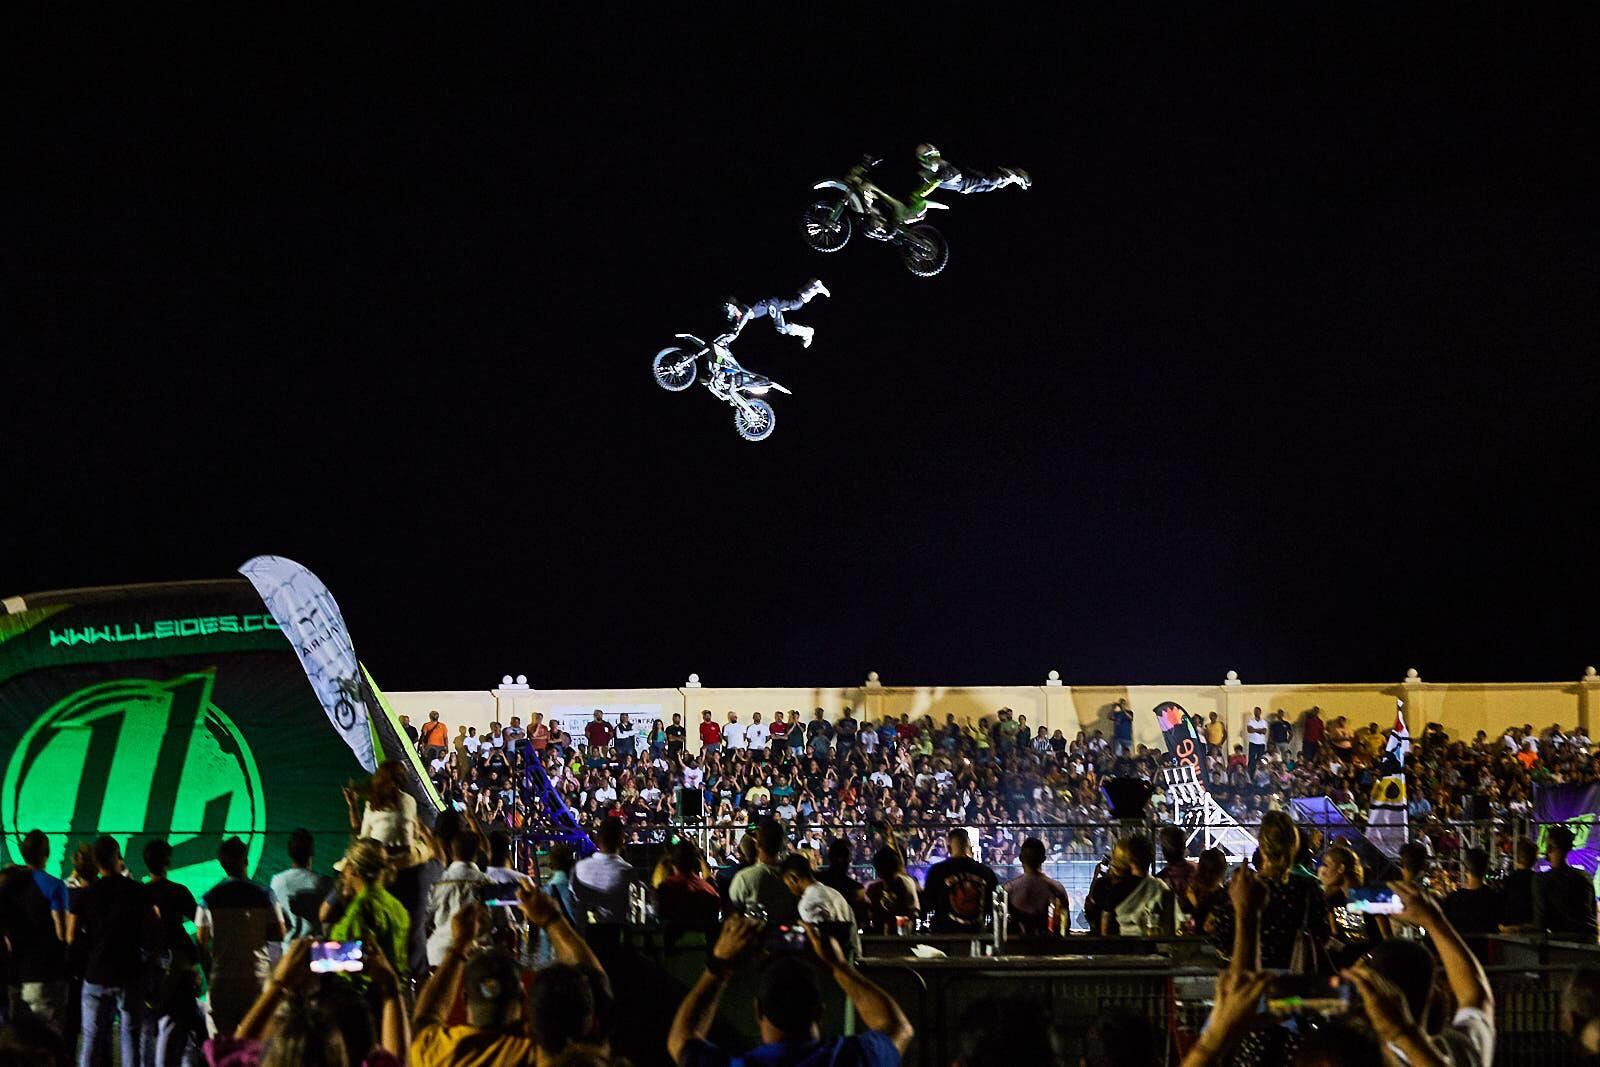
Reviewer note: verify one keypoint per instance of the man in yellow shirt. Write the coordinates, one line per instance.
(1216, 735)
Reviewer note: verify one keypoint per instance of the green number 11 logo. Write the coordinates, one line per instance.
(137, 759)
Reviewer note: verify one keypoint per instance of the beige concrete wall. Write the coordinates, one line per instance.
(1463, 708)
(1492, 708)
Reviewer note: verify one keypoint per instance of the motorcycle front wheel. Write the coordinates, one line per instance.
(756, 425)
(924, 251)
(823, 232)
(674, 369)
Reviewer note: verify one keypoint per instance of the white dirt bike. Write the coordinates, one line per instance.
(677, 367)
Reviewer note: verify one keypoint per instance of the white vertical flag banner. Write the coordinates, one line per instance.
(310, 619)
(1387, 819)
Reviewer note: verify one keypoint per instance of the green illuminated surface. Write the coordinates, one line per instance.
(137, 759)
(163, 629)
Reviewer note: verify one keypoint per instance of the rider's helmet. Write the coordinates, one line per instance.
(927, 155)
(732, 308)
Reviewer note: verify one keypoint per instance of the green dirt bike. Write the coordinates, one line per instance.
(826, 225)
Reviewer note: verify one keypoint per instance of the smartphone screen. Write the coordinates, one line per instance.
(786, 938)
(1376, 901)
(342, 957)
(502, 902)
(1291, 994)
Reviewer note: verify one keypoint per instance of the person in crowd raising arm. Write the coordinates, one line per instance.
(788, 1008)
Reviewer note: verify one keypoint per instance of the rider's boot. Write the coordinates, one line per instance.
(814, 288)
(805, 333)
(875, 225)
(1018, 177)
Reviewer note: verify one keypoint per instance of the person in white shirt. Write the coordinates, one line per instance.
(459, 886)
(820, 905)
(472, 742)
(389, 815)
(756, 738)
(606, 792)
(1255, 732)
(1150, 908)
(601, 881)
(693, 777)
(733, 732)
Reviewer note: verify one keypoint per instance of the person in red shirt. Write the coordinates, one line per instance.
(598, 732)
(710, 733)
(685, 896)
(538, 733)
(1311, 735)
(778, 737)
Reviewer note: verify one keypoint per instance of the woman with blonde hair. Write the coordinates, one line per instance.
(1339, 872)
(1294, 915)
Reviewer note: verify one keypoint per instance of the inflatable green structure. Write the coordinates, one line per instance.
(185, 711)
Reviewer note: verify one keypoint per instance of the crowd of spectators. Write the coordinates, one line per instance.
(105, 966)
(1001, 776)
(447, 977)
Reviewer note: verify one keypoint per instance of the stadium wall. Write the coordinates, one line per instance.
(1461, 707)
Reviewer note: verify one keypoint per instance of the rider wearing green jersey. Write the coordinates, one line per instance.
(936, 172)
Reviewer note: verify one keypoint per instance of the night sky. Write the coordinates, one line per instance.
(1285, 364)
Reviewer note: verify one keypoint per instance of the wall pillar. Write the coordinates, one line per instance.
(1588, 698)
(1415, 696)
(870, 705)
(1230, 710)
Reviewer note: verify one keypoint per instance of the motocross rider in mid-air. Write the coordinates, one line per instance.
(773, 307)
(936, 172)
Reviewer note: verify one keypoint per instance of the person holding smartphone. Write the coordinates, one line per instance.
(788, 1007)
(1340, 873)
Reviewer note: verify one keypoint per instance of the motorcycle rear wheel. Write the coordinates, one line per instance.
(757, 428)
(821, 234)
(925, 252)
(670, 374)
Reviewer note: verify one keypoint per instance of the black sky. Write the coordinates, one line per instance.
(1285, 364)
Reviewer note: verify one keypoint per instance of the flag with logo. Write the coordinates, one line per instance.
(1387, 819)
(309, 617)
(1183, 740)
